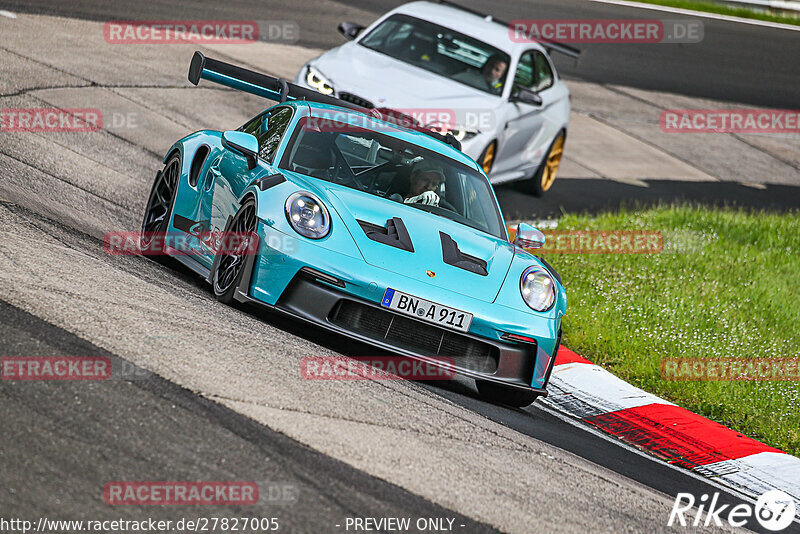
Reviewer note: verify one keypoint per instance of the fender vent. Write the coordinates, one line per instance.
(393, 234)
(452, 256)
(197, 164)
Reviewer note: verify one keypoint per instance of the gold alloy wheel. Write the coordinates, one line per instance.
(553, 161)
(488, 158)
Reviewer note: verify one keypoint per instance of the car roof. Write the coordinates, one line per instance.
(356, 118)
(489, 31)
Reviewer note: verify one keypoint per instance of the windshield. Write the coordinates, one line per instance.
(441, 51)
(384, 166)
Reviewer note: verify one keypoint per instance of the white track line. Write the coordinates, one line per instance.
(702, 14)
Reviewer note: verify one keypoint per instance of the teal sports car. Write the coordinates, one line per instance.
(365, 226)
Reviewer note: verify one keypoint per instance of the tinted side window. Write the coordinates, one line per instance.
(544, 74)
(253, 125)
(271, 132)
(533, 72)
(269, 129)
(524, 75)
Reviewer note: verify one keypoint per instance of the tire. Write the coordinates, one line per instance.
(505, 395)
(230, 266)
(160, 203)
(486, 159)
(545, 175)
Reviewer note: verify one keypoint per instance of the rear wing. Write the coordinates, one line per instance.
(255, 83)
(279, 90)
(550, 46)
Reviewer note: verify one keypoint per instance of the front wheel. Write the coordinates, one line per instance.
(505, 395)
(159, 207)
(230, 267)
(546, 173)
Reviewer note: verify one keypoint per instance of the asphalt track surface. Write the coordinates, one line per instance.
(154, 429)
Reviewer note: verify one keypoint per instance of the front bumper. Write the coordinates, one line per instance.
(313, 291)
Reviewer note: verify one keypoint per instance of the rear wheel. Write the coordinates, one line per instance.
(505, 395)
(159, 206)
(546, 173)
(230, 266)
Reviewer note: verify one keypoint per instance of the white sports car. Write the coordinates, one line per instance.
(451, 68)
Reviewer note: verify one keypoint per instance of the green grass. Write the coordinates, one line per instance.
(732, 11)
(726, 285)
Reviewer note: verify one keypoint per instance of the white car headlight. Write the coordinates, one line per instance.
(307, 215)
(316, 80)
(537, 288)
(460, 135)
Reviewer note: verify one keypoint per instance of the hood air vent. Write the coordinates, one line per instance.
(393, 234)
(452, 256)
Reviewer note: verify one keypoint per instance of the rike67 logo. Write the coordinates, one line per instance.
(774, 510)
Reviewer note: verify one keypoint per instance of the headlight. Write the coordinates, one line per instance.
(537, 288)
(460, 135)
(307, 215)
(317, 81)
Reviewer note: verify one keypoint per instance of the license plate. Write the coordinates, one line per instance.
(427, 311)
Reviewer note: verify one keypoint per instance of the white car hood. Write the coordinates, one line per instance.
(391, 83)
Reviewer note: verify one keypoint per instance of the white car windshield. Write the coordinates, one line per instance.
(441, 51)
(383, 165)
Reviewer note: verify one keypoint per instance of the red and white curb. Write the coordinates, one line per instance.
(588, 392)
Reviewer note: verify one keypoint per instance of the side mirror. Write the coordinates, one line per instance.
(528, 237)
(350, 29)
(526, 96)
(244, 143)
